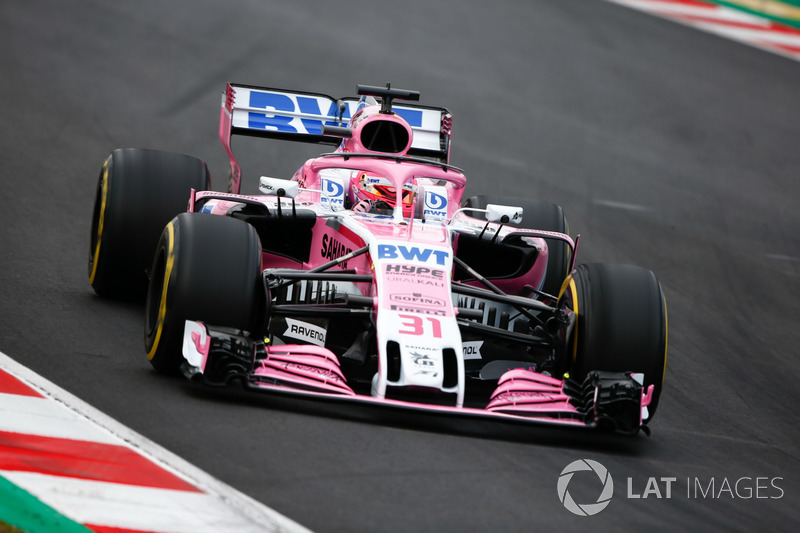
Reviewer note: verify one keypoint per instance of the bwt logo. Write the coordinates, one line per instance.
(435, 204)
(434, 200)
(586, 509)
(333, 192)
(281, 111)
(333, 188)
(411, 253)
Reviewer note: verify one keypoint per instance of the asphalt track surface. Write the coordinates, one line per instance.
(668, 148)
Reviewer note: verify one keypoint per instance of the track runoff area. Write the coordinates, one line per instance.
(64, 466)
(771, 25)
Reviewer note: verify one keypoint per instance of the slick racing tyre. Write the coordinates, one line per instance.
(621, 323)
(138, 192)
(541, 215)
(206, 268)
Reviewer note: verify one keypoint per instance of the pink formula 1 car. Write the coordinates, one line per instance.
(368, 277)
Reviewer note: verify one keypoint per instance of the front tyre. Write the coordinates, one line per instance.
(621, 323)
(206, 268)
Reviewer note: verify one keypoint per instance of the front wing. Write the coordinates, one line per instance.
(612, 401)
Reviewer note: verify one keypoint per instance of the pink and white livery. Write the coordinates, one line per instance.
(368, 277)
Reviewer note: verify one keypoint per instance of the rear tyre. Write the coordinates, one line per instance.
(540, 215)
(206, 268)
(621, 323)
(138, 192)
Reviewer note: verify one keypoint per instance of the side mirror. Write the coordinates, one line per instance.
(278, 187)
(504, 214)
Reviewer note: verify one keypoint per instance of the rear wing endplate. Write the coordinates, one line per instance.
(299, 116)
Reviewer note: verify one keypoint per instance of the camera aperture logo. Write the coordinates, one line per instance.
(585, 509)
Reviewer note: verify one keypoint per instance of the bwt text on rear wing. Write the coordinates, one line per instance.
(299, 116)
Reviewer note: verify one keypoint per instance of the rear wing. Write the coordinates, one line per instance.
(299, 116)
